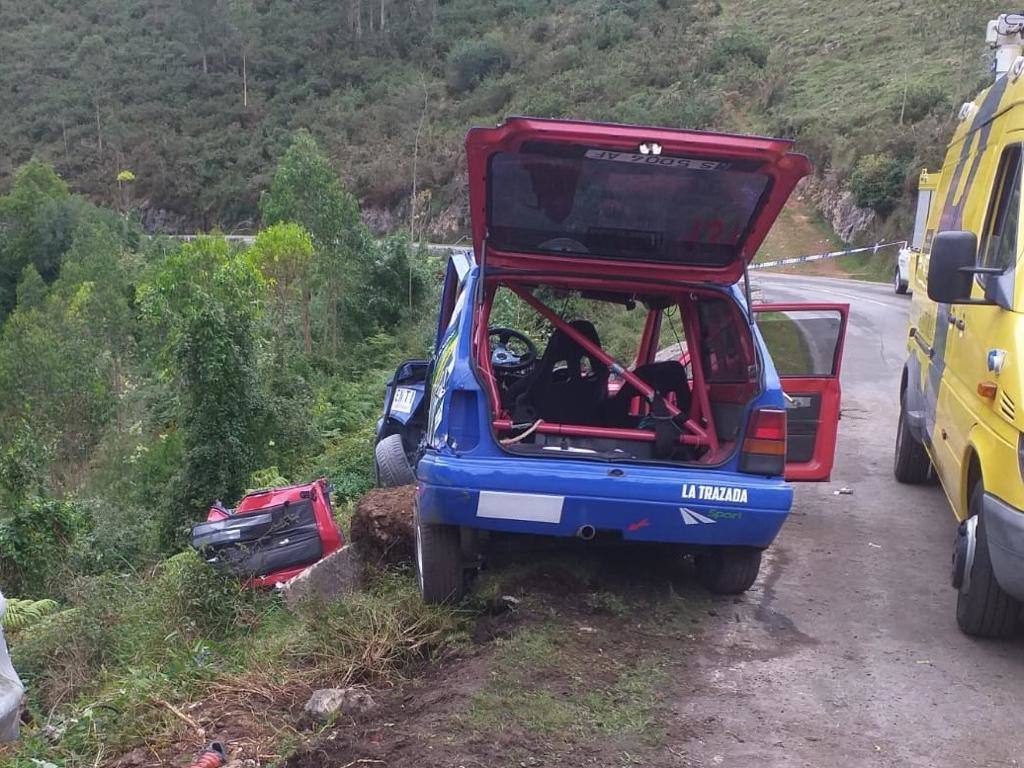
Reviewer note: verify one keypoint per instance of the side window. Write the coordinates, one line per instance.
(999, 246)
(803, 342)
(724, 356)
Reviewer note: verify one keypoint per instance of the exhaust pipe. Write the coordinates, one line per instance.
(586, 532)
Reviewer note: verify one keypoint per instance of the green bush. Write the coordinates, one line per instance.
(470, 61)
(877, 182)
(725, 51)
(34, 543)
(920, 99)
(348, 463)
(119, 622)
(373, 634)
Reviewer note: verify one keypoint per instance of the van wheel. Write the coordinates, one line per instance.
(391, 464)
(983, 609)
(439, 569)
(729, 570)
(899, 285)
(910, 460)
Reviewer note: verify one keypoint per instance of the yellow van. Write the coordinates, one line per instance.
(962, 391)
(906, 260)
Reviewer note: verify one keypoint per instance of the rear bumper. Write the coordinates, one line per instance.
(1004, 531)
(642, 503)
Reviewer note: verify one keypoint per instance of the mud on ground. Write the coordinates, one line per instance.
(578, 658)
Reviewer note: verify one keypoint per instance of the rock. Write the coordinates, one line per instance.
(328, 702)
(836, 205)
(382, 525)
(340, 573)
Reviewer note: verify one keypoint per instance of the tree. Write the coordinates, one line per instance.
(93, 65)
(206, 295)
(244, 22)
(877, 182)
(306, 190)
(283, 253)
(35, 223)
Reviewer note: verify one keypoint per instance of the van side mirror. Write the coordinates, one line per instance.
(951, 268)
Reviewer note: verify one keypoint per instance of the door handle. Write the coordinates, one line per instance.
(960, 324)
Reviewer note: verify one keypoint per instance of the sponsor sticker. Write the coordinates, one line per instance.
(663, 161)
(403, 401)
(714, 493)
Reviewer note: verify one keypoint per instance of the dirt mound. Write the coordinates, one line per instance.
(382, 525)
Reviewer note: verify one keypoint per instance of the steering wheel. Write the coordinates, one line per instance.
(511, 351)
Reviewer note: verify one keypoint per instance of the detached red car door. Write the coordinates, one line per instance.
(806, 345)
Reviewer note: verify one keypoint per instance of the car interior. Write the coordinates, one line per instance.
(559, 388)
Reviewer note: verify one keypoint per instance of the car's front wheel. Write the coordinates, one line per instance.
(983, 609)
(728, 570)
(439, 570)
(900, 286)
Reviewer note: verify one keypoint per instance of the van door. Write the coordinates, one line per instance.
(806, 345)
(975, 330)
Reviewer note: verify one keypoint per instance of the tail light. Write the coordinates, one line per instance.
(764, 447)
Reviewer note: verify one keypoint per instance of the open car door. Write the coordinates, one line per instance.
(806, 344)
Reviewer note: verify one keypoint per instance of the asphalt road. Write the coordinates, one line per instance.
(846, 652)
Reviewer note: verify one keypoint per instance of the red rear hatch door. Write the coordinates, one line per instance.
(556, 196)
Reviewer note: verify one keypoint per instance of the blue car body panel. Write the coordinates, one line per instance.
(467, 479)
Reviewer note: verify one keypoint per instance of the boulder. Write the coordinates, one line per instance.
(340, 573)
(327, 703)
(382, 525)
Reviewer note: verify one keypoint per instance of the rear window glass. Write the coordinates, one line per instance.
(621, 205)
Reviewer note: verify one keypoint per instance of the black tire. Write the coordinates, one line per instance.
(439, 570)
(910, 464)
(983, 609)
(899, 285)
(729, 570)
(392, 465)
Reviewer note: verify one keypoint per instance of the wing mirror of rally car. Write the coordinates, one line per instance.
(952, 268)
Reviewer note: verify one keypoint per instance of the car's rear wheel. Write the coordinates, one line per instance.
(391, 464)
(729, 570)
(439, 570)
(983, 609)
(910, 459)
(900, 286)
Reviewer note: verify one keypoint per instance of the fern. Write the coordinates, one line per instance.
(24, 613)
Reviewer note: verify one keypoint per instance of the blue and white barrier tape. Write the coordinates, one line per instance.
(830, 255)
(248, 239)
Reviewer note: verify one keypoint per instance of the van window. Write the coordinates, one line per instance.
(999, 247)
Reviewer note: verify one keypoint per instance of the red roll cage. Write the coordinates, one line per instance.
(698, 427)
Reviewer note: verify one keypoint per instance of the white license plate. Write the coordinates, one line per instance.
(403, 400)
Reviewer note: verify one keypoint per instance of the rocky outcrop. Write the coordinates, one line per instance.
(836, 205)
(164, 222)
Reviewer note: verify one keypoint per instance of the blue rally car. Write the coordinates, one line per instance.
(598, 370)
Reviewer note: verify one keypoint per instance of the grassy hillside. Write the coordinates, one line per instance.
(198, 99)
